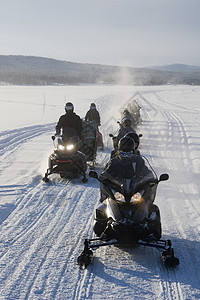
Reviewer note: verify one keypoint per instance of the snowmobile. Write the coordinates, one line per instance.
(128, 217)
(66, 160)
(133, 113)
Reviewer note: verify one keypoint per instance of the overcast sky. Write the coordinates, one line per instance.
(134, 33)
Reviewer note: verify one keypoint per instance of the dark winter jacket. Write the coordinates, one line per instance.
(93, 115)
(70, 119)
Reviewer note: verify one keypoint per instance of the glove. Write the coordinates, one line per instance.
(57, 133)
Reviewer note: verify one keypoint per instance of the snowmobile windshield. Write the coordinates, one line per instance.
(132, 179)
(69, 135)
(128, 186)
(68, 141)
(136, 189)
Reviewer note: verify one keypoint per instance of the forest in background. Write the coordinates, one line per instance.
(32, 70)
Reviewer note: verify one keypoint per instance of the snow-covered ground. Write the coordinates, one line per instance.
(43, 226)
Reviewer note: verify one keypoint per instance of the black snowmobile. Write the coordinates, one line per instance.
(128, 217)
(66, 160)
(133, 113)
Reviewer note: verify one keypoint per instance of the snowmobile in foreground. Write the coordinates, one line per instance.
(128, 217)
(66, 160)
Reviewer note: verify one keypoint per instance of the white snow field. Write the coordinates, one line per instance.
(43, 225)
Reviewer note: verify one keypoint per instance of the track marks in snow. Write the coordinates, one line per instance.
(43, 227)
(11, 139)
(169, 144)
(48, 239)
(44, 231)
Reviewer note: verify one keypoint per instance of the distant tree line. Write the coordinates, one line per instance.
(28, 70)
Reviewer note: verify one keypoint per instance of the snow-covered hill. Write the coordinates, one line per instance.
(43, 226)
(34, 70)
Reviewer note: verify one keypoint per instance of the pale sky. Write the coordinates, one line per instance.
(134, 33)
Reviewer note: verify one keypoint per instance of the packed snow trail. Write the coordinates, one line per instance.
(43, 225)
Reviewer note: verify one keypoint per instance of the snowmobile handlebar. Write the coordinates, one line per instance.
(56, 135)
(163, 177)
(120, 124)
(114, 137)
(93, 174)
(71, 138)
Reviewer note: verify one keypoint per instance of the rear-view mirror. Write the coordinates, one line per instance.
(93, 174)
(164, 177)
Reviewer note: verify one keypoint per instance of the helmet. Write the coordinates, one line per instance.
(126, 112)
(92, 106)
(69, 107)
(126, 122)
(134, 136)
(126, 144)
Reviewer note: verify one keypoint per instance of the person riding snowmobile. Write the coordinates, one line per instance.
(125, 164)
(125, 127)
(69, 120)
(135, 137)
(126, 114)
(133, 113)
(66, 160)
(93, 115)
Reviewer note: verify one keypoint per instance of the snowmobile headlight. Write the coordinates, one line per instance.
(69, 147)
(136, 198)
(119, 197)
(61, 147)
